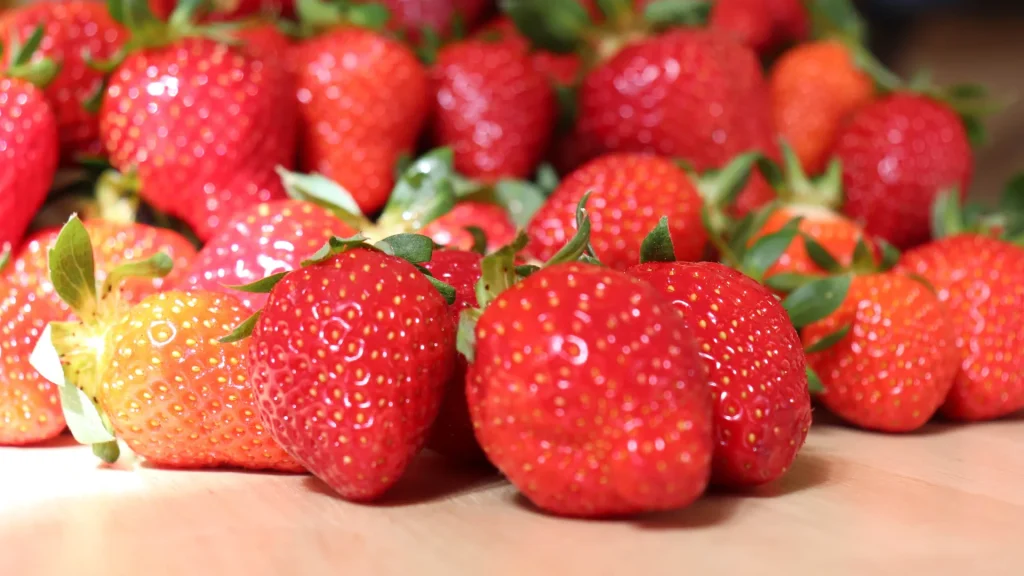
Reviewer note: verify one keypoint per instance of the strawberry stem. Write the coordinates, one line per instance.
(39, 73)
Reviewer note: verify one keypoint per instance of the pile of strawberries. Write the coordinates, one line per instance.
(615, 249)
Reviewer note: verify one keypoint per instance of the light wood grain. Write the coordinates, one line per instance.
(947, 501)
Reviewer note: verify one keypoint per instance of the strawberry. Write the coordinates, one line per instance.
(259, 242)
(559, 69)
(492, 108)
(263, 39)
(72, 31)
(421, 19)
(586, 391)
(452, 434)
(899, 153)
(202, 143)
(980, 280)
(891, 356)
(228, 10)
(455, 229)
(29, 148)
(357, 119)
(371, 348)
(763, 25)
(814, 88)
(29, 407)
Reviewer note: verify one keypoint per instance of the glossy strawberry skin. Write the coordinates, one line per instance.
(176, 395)
(264, 40)
(629, 194)
(493, 109)
(450, 230)
(259, 242)
(899, 153)
(357, 119)
(893, 369)
(29, 154)
(29, 404)
(836, 233)
(755, 363)
(349, 361)
(204, 126)
(815, 87)
(981, 282)
(692, 94)
(71, 29)
(559, 69)
(452, 435)
(586, 391)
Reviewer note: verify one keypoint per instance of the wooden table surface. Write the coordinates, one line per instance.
(949, 500)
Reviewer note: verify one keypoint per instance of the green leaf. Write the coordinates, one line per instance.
(156, 266)
(820, 255)
(553, 25)
(719, 188)
(336, 245)
(520, 198)
(5, 257)
(568, 106)
(244, 330)
(615, 10)
(657, 246)
(966, 91)
(325, 193)
(261, 286)
(479, 239)
(446, 290)
(890, 254)
(829, 340)
(425, 192)
(1012, 198)
(579, 244)
(922, 281)
(548, 180)
(816, 300)
(430, 44)
(465, 340)
(413, 248)
(527, 270)
(786, 282)
(22, 54)
(836, 18)
(863, 258)
(73, 270)
(671, 13)
(814, 384)
(767, 250)
(109, 452)
(977, 133)
(372, 16)
(498, 271)
(751, 224)
(947, 217)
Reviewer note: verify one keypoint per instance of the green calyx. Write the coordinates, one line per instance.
(499, 272)
(21, 66)
(413, 248)
(951, 216)
(792, 184)
(719, 188)
(319, 15)
(82, 346)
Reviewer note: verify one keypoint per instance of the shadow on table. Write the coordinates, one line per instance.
(809, 470)
(825, 423)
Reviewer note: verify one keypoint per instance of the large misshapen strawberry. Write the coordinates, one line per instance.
(30, 409)
(196, 126)
(349, 360)
(74, 32)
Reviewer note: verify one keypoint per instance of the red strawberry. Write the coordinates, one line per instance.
(349, 360)
(259, 242)
(764, 25)
(894, 365)
(227, 10)
(755, 364)
(263, 39)
(363, 99)
(451, 229)
(28, 155)
(72, 29)
(981, 282)
(452, 435)
(29, 407)
(587, 392)
(559, 69)
(493, 108)
(899, 153)
(444, 18)
(203, 141)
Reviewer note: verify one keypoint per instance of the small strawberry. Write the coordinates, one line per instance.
(363, 100)
(349, 360)
(456, 228)
(29, 407)
(492, 108)
(29, 148)
(73, 30)
(887, 357)
(259, 242)
(586, 390)
(763, 25)
(452, 434)
(203, 142)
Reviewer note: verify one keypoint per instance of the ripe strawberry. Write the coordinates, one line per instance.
(559, 69)
(899, 153)
(493, 108)
(893, 366)
(755, 364)
(443, 18)
(259, 242)
(203, 142)
(587, 392)
(358, 118)
(452, 229)
(263, 39)
(452, 434)
(981, 282)
(763, 25)
(29, 407)
(371, 348)
(28, 155)
(814, 88)
(72, 29)
(228, 10)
